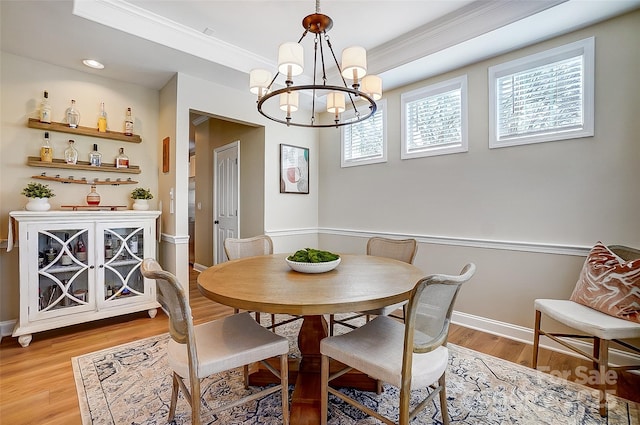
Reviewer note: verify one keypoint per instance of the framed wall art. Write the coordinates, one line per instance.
(294, 169)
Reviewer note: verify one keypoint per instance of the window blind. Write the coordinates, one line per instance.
(548, 98)
(364, 140)
(434, 121)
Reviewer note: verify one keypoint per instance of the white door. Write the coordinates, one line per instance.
(226, 193)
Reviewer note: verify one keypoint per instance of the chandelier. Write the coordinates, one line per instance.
(363, 87)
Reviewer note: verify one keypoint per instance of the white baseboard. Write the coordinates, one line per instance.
(525, 335)
(199, 267)
(6, 328)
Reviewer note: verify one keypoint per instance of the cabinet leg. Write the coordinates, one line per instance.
(152, 312)
(24, 340)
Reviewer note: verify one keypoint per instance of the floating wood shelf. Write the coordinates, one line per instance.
(85, 181)
(34, 161)
(95, 208)
(83, 131)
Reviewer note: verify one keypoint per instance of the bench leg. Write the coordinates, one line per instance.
(536, 340)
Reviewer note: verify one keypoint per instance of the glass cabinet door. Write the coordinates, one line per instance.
(64, 277)
(123, 253)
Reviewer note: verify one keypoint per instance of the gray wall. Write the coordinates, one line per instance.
(524, 214)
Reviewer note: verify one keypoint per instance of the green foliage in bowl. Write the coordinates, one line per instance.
(310, 255)
(141, 193)
(37, 190)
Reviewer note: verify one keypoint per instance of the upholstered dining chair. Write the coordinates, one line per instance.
(196, 352)
(409, 355)
(237, 248)
(397, 249)
(588, 323)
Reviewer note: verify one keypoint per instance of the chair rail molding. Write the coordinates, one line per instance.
(175, 239)
(538, 247)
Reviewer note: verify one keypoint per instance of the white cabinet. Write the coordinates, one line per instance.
(80, 266)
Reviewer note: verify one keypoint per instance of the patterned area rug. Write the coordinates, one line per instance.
(131, 384)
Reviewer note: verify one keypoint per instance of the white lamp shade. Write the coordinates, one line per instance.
(259, 80)
(372, 86)
(354, 62)
(291, 59)
(335, 102)
(289, 101)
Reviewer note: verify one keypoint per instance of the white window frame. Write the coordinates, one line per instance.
(458, 83)
(381, 109)
(584, 48)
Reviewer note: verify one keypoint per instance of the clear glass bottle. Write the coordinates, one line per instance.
(65, 260)
(133, 244)
(128, 124)
(45, 109)
(46, 151)
(108, 246)
(71, 153)
(73, 116)
(95, 157)
(102, 119)
(122, 160)
(93, 198)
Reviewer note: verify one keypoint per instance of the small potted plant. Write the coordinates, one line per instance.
(38, 195)
(141, 198)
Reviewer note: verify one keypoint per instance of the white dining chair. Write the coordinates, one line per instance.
(236, 248)
(195, 352)
(409, 355)
(397, 249)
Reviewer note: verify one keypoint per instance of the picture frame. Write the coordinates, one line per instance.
(294, 169)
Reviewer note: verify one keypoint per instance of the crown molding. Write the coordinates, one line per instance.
(471, 21)
(129, 18)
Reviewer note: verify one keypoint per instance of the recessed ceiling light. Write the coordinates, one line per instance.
(91, 63)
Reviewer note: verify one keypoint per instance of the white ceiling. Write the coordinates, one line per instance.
(145, 42)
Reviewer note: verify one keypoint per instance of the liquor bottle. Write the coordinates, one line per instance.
(95, 157)
(45, 109)
(109, 291)
(122, 160)
(65, 260)
(70, 153)
(73, 116)
(128, 124)
(81, 250)
(46, 152)
(93, 198)
(133, 244)
(108, 246)
(102, 119)
(51, 253)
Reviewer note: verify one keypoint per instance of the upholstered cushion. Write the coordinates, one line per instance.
(609, 284)
(376, 349)
(225, 344)
(588, 320)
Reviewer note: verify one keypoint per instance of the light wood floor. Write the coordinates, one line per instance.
(37, 384)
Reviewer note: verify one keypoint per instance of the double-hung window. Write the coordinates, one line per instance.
(434, 119)
(543, 97)
(365, 142)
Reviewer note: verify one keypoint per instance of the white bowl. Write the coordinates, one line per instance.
(313, 267)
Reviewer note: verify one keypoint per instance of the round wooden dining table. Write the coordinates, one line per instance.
(267, 284)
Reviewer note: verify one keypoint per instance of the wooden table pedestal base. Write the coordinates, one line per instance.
(305, 372)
